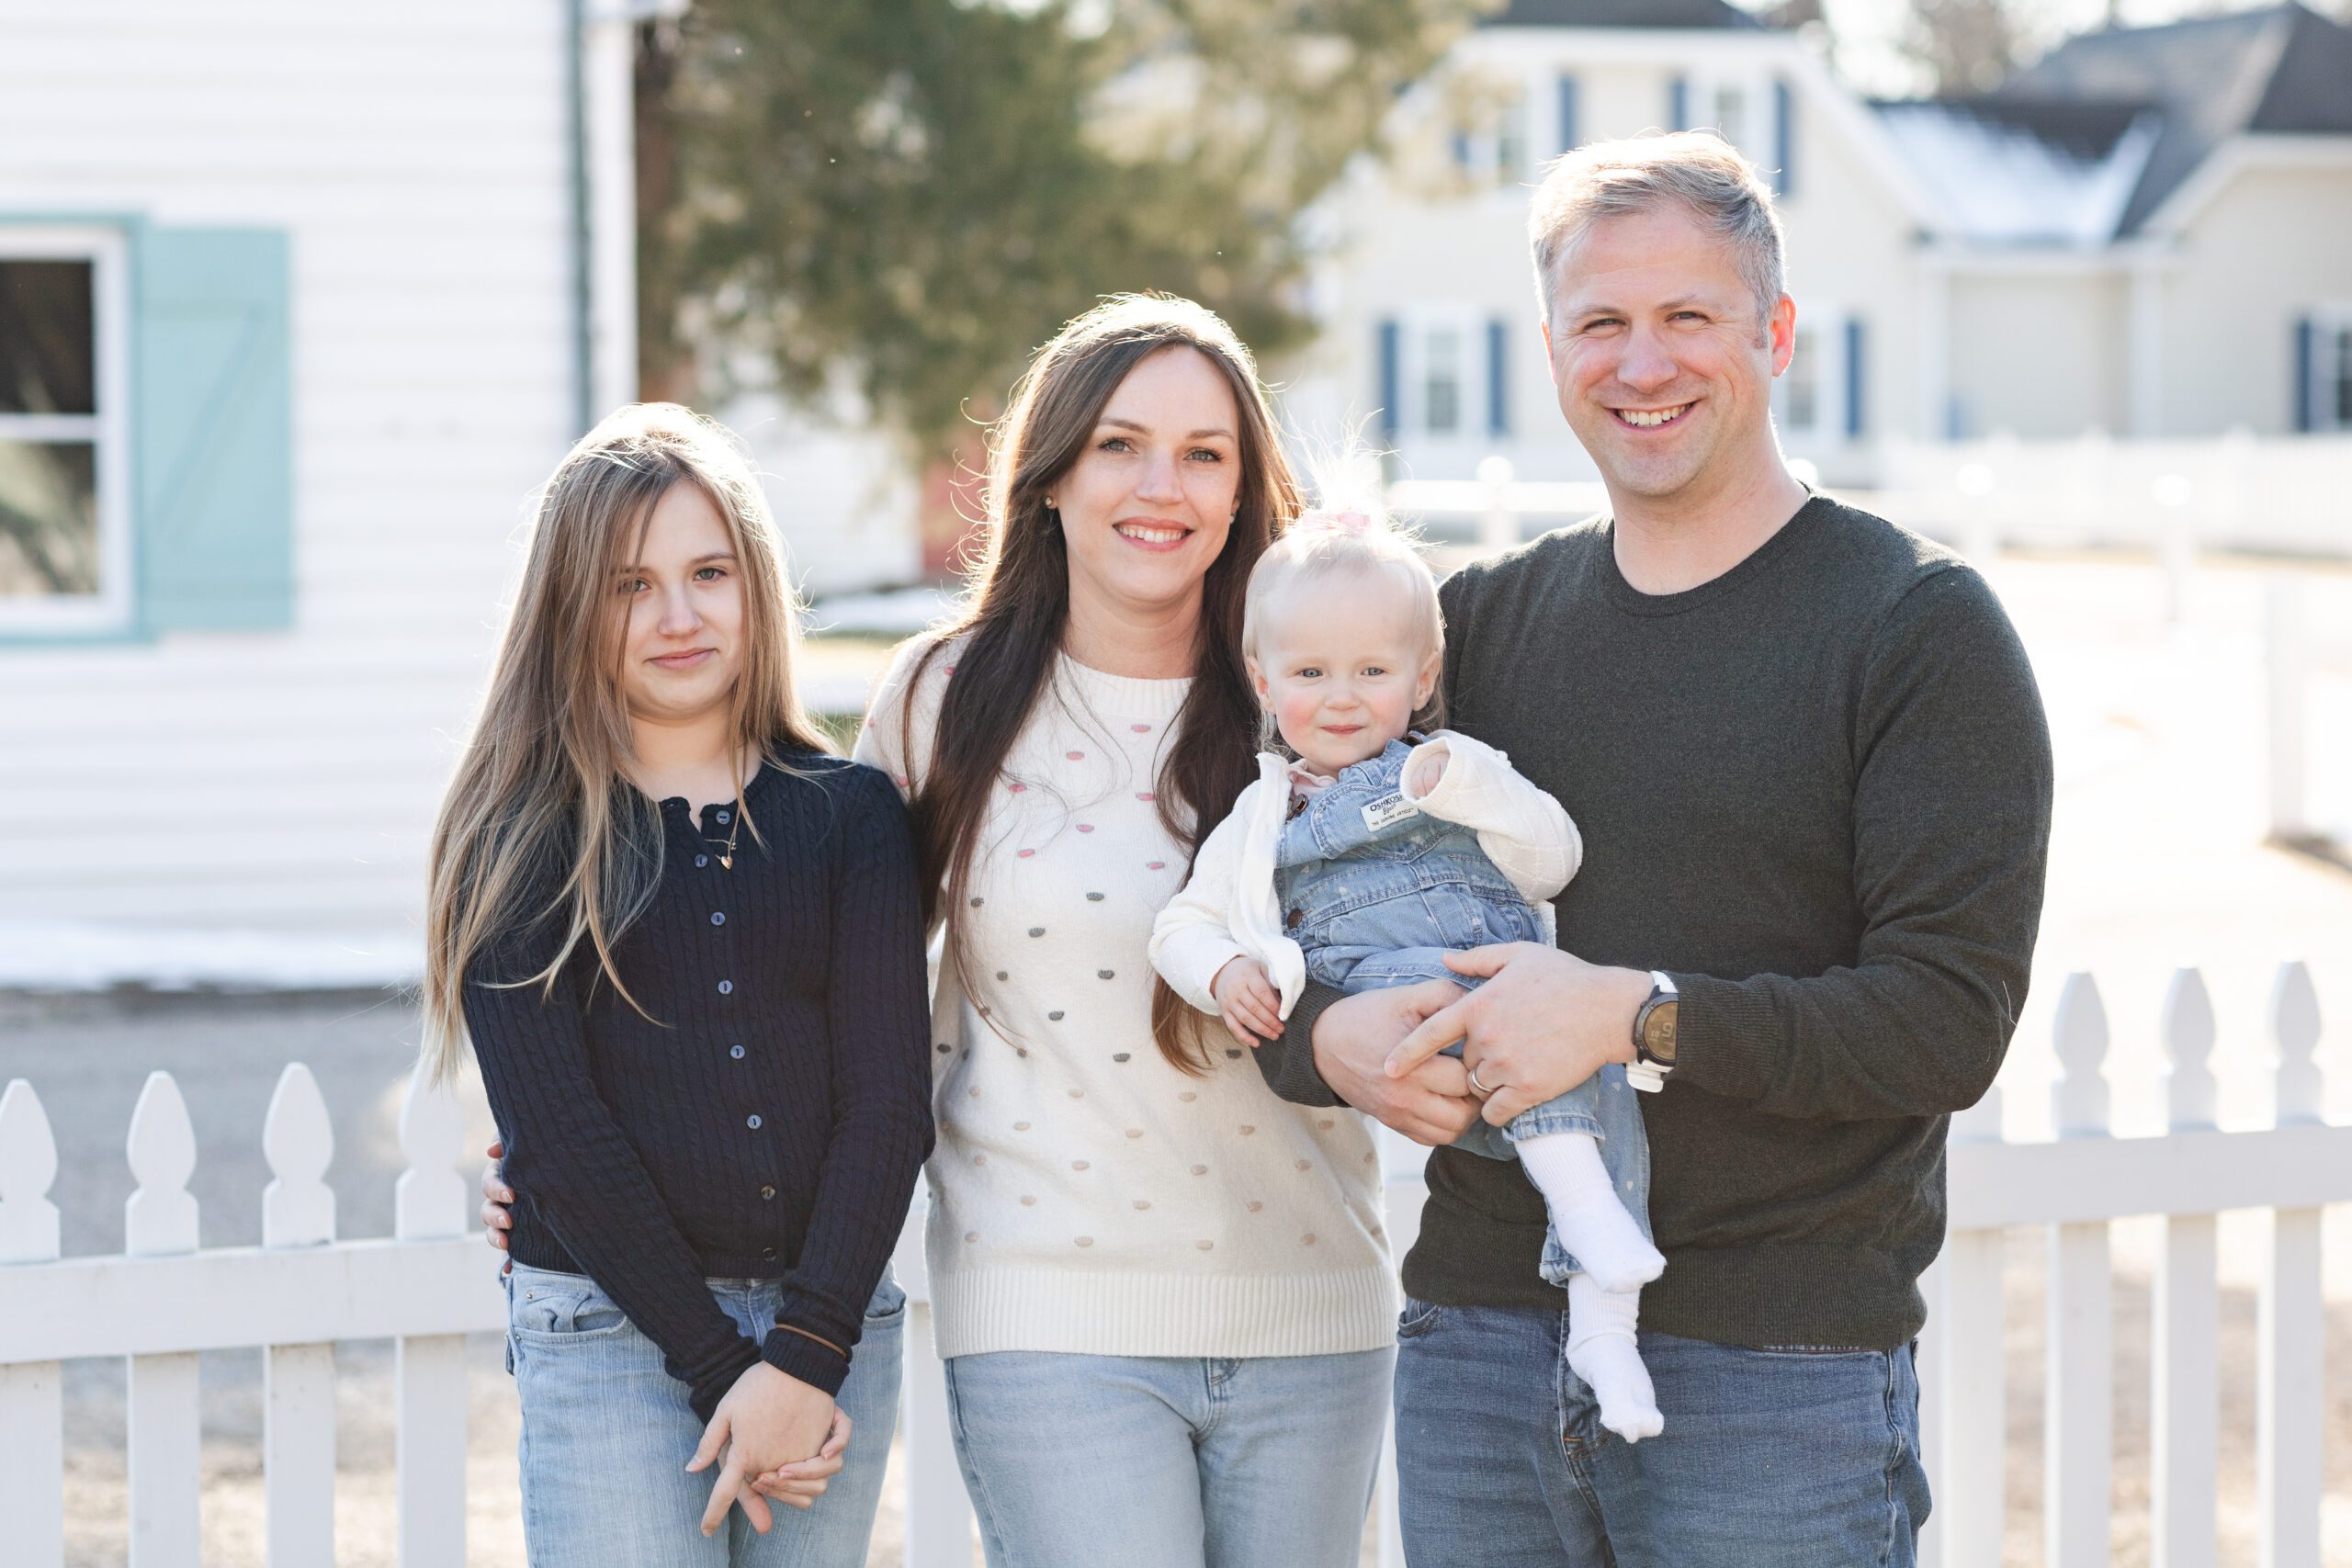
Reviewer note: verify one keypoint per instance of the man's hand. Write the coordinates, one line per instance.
(496, 1197)
(1543, 1023)
(1249, 1000)
(802, 1483)
(1354, 1038)
(768, 1419)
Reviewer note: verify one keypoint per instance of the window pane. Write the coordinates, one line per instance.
(47, 358)
(1442, 385)
(1730, 115)
(1802, 386)
(49, 518)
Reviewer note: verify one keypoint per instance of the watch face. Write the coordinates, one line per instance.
(1657, 1032)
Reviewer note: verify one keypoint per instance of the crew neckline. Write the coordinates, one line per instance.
(1141, 696)
(1625, 596)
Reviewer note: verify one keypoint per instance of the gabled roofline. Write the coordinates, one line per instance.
(2236, 154)
(1851, 123)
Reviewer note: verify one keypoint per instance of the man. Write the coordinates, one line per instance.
(1813, 777)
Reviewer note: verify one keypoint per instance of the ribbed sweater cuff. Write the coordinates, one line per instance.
(796, 1354)
(706, 1390)
(1723, 1036)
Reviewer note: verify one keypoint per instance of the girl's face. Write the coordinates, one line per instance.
(1342, 665)
(1145, 508)
(683, 640)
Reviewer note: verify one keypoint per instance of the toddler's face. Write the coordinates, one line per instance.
(1341, 665)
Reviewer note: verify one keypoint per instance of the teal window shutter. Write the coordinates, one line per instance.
(1677, 104)
(212, 434)
(1857, 363)
(1568, 103)
(1784, 137)
(1498, 378)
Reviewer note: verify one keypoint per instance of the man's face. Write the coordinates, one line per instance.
(1663, 369)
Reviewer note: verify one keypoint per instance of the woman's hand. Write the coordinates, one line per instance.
(802, 1483)
(495, 1196)
(1247, 1000)
(768, 1420)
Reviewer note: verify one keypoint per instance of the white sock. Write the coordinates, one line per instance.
(1603, 1351)
(1587, 1214)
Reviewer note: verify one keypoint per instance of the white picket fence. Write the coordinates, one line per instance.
(164, 1301)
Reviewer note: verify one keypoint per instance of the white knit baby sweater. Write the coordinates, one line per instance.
(1086, 1195)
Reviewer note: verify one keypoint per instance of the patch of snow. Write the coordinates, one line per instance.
(72, 956)
(2001, 184)
(889, 612)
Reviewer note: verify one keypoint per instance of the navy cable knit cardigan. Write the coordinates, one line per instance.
(770, 1118)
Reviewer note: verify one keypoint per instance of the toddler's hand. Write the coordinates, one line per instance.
(1248, 1000)
(1428, 768)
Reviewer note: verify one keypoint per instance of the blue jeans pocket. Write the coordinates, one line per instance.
(1417, 1319)
(549, 1309)
(887, 1305)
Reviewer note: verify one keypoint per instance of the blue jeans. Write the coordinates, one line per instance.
(606, 1435)
(1771, 1458)
(1168, 1462)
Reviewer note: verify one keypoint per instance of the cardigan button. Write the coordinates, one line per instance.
(725, 986)
(768, 1253)
(722, 816)
(716, 918)
(752, 1122)
(735, 1052)
(767, 1194)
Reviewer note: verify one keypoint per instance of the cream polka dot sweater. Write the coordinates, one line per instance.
(1087, 1196)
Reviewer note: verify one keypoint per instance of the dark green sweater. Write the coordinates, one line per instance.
(1814, 791)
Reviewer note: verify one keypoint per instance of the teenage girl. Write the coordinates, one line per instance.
(685, 943)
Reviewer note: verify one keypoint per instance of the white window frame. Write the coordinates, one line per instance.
(1825, 325)
(1754, 85)
(2330, 323)
(1470, 439)
(108, 250)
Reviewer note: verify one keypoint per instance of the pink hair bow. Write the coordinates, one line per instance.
(1339, 522)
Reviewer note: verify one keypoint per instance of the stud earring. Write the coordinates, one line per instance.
(1049, 504)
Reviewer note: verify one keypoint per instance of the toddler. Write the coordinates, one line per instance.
(1373, 847)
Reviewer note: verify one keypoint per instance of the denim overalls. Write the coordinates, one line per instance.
(1375, 891)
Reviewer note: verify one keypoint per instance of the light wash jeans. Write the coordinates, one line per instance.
(1168, 1462)
(1771, 1458)
(1376, 893)
(606, 1435)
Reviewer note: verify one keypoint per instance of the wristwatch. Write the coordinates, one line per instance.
(1654, 1034)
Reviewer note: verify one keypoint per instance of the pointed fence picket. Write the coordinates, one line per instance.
(433, 1282)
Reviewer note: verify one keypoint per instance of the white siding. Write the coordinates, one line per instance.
(418, 156)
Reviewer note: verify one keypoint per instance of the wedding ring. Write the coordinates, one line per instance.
(1483, 1090)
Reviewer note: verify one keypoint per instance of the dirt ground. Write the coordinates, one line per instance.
(2157, 860)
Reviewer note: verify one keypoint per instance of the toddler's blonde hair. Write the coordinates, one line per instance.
(1330, 543)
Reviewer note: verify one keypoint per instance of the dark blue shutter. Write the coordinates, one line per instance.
(2306, 377)
(1856, 344)
(1461, 148)
(1390, 377)
(213, 401)
(1784, 137)
(1677, 104)
(1497, 378)
(1568, 137)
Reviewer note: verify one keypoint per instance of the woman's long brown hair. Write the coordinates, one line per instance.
(1018, 610)
(539, 791)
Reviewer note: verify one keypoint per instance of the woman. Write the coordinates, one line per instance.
(1163, 1294)
(712, 1141)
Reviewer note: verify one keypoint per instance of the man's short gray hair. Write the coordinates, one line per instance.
(1697, 169)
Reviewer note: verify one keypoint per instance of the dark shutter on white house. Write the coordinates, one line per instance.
(1568, 101)
(1386, 353)
(1784, 137)
(1498, 378)
(1677, 104)
(2306, 394)
(1856, 364)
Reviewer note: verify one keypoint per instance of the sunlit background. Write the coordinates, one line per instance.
(298, 304)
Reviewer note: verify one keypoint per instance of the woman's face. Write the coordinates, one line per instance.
(1145, 508)
(682, 597)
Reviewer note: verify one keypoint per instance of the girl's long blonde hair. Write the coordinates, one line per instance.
(540, 821)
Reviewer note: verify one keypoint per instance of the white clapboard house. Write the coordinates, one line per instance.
(2148, 232)
(297, 303)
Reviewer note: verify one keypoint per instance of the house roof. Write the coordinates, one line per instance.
(2024, 173)
(2279, 70)
(1622, 13)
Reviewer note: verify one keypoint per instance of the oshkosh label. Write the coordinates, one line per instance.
(1388, 811)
